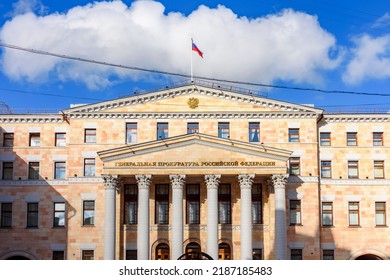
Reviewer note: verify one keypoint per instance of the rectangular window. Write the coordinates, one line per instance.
(257, 254)
(162, 131)
(295, 212)
(353, 169)
(59, 214)
(351, 138)
(377, 138)
(33, 170)
(8, 139)
(35, 139)
(327, 213)
(325, 138)
(379, 169)
(296, 254)
(224, 130)
(8, 170)
(131, 255)
(89, 167)
(192, 127)
(193, 203)
(32, 214)
(87, 255)
(131, 203)
(59, 170)
(353, 212)
(162, 204)
(293, 135)
(254, 132)
(326, 169)
(380, 213)
(131, 133)
(60, 139)
(88, 212)
(257, 213)
(58, 255)
(295, 166)
(90, 135)
(224, 204)
(6, 215)
(328, 255)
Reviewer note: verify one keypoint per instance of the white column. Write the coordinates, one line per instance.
(246, 181)
(177, 183)
(279, 183)
(212, 182)
(143, 216)
(110, 188)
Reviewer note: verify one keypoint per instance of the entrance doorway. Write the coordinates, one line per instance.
(224, 252)
(368, 257)
(162, 251)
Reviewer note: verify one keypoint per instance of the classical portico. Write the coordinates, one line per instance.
(210, 163)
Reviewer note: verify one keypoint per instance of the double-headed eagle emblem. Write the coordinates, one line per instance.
(193, 102)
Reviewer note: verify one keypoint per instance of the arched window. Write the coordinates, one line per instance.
(162, 251)
(193, 247)
(224, 252)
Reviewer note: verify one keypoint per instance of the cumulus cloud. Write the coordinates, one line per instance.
(287, 46)
(370, 59)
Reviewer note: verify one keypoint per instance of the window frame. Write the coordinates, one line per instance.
(88, 255)
(380, 212)
(192, 127)
(293, 135)
(295, 206)
(161, 199)
(91, 209)
(225, 202)
(326, 166)
(88, 164)
(34, 139)
(325, 212)
(224, 130)
(254, 130)
(32, 215)
(353, 212)
(379, 165)
(162, 130)
(59, 170)
(377, 141)
(295, 162)
(57, 214)
(59, 140)
(257, 203)
(352, 139)
(58, 255)
(6, 215)
(257, 254)
(90, 135)
(8, 172)
(130, 199)
(352, 165)
(296, 254)
(325, 141)
(327, 254)
(33, 171)
(131, 132)
(8, 139)
(193, 199)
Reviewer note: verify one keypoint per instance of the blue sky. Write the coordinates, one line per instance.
(333, 45)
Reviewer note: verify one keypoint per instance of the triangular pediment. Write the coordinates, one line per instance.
(193, 99)
(195, 154)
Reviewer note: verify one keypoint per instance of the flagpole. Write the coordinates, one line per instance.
(192, 73)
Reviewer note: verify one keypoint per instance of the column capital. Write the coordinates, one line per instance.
(277, 181)
(143, 181)
(212, 181)
(177, 181)
(111, 182)
(246, 180)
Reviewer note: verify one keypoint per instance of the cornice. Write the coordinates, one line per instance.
(32, 183)
(302, 179)
(38, 118)
(353, 118)
(356, 182)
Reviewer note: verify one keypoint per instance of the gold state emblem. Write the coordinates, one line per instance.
(193, 102)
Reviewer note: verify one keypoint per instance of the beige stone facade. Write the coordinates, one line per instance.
(335, 200)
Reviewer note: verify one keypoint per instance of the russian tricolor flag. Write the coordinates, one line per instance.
(196, 49)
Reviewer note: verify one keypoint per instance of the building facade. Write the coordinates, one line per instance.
(194, 169)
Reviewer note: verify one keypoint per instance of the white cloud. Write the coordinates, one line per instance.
(289, 46)
(26, 6)
(371, 59)
(382, 22)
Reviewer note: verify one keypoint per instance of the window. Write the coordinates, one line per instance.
(33, 170)
(296, 254)
(6, 215)
(8, 139)
(254, 132)
(351, 138)
(58, 255)
(131, 255)
(295, 166)
(223, 130)
(87, 255)
(90, 135)
(224, 204)
(325, 138)
(257, 213)
(295, 212)
(89, 167)
(35, 139)
(162, 204)
(379, 169)
(326, 169)
(257, 254)
(380, 213)
(327, 213)
(32, 214)
(88, 212)
(60, 139)
(131, 133)
(328, 254)
(8, 170)
(353, 212)
(353, 169)
(377, 138)
(293, 135)
(192, 127)
(131, 203)
(59, 170)
(162, 131)
(59, 214)
(193, 203)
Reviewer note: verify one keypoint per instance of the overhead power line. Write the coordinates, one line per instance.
(185, 75)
